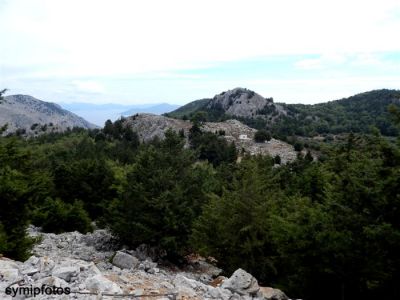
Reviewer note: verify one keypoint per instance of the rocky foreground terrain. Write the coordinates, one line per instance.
(91, 268)
(149, 126)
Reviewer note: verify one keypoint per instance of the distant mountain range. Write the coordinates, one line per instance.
(354, 114)
(31, 116)
(99, 113)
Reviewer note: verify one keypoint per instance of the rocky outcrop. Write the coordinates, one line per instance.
(241, 102)
(30, 116)
(236, 103)
(72, 262)
(149, 126)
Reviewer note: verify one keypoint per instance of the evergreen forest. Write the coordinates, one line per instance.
(307, 227)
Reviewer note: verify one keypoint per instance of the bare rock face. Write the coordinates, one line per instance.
(240, 102)
(32, 116)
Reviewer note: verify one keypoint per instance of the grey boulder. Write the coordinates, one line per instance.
(125, 261)
(272, 294)
(242, 283)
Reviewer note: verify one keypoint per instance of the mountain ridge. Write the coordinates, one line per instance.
(27, 115)
(100, 113)
(352, 114)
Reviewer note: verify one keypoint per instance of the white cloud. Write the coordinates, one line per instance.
(87, 42)
(89, 86)
(125, 37)
(324, 61)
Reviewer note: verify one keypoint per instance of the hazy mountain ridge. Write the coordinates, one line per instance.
(99, 113)
(154, 109)
(353, 114)
(29, 115)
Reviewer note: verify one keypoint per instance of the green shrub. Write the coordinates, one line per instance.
(56, 216)
(298, 146)
(14, 242)
(261, 136)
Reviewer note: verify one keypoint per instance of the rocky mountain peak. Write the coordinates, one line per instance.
(240, 102)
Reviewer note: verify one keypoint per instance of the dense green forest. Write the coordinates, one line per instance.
(354, 114)
(307, 227)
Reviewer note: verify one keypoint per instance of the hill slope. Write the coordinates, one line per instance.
(31, 116)
(149, 126)
(354, 114)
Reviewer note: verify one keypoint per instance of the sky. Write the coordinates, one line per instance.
(176, 51)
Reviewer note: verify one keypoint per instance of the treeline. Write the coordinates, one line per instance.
(317, 229)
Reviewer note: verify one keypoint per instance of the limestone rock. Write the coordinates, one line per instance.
(66, 273)
(51, 281)
(242, 283)
(272, 294)
(100, 239)
(219, 293)
(60, 261)
(10, 275)
(6, 263)
(125, 261)
(99, 283)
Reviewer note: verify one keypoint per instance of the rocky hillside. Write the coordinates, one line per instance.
(30, 116)
(354, 114)
(90, 267)
(149, 126)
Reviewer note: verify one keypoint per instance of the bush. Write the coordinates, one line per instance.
(14, 242)
(261, 136)
(56, 216)
(212, 147)
(298, 146)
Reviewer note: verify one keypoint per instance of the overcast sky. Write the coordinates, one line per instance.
(178, 51)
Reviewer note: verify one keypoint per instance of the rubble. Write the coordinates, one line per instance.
(89, 269)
